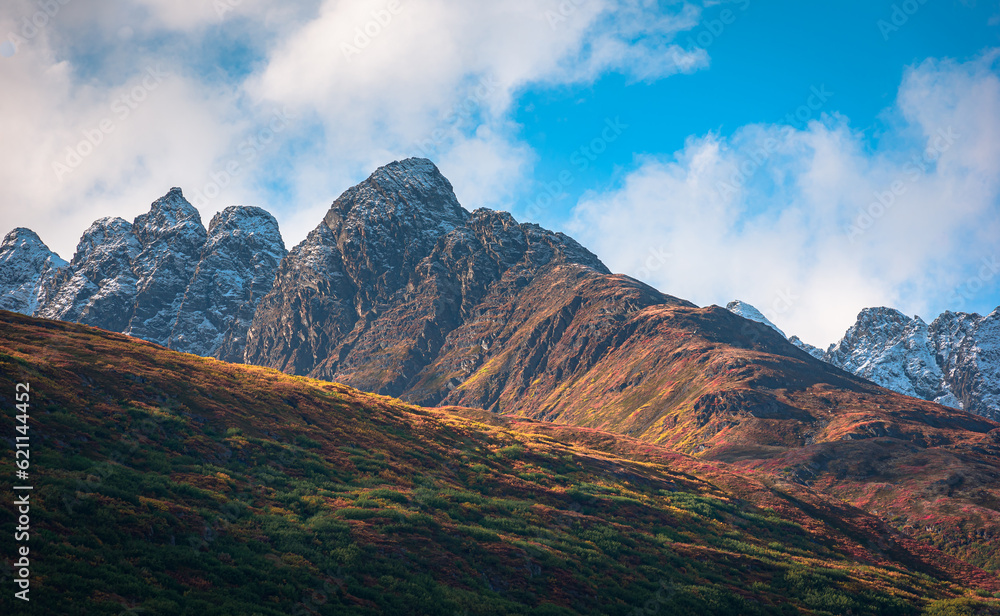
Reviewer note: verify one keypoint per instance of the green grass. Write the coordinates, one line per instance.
(203, 491)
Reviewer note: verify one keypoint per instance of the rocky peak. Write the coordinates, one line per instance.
(170, 217)
(396, 268)
(411, 194)
(236, 269)
(386, 224)
(749, 312)
(23, 239)
(172, 237)
(98, 288)
(808, 348)
(26, 264)
(244, 221)
(102, 236)
(967, 347)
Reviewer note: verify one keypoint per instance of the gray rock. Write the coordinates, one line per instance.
(99, 287)
(26, 269)
(236, 270)
(371, 296)
(172, 237)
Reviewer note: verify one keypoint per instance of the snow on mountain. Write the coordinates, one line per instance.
(236, 270)
(808, 348)
(954, 361)
(26, 265)
(747, 311)
(98, 288)
(895, 351)
(172, 237)
(163, 277)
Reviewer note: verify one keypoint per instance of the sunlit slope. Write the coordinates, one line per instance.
(182, 485)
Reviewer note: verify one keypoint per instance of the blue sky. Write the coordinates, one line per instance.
(657, 133)
(763, 67)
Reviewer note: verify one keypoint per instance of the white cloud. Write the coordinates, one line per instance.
(791, 219)
(435, 77)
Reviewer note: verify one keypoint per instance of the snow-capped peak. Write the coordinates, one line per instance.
(747, 311)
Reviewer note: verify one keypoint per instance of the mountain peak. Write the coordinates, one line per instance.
(244, 219)
(749, 312)
(25, 265)
(22, 236)
(103, 232)
(27, 245)
(169, 214)
(884, 313)
(412, 166)
(411, 192)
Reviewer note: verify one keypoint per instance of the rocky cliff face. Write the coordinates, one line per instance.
(954, 361)
(163, 277)
(172, 237)
(895, 351)
(99, 286)
(235, 271)
(375, 293)
(26, 266)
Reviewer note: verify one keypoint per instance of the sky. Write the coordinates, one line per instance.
(812, 159)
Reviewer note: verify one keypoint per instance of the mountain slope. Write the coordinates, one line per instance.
(236, 269)
(397, 267)
(401, 291)
(26, 264)
(954, 361)
(171, 484)
(162, 278)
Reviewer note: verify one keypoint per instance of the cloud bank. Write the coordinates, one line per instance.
(811, 224)
(257, 102)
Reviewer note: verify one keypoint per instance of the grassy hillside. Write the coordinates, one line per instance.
(173, 484)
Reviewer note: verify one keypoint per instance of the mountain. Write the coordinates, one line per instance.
(954, 361)
(387, 293)
(402, 292)
(99, 286)
(236, 269)
(747, 311)
(166, 483)
(162, 278)
(26, 265)
(898, 352)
